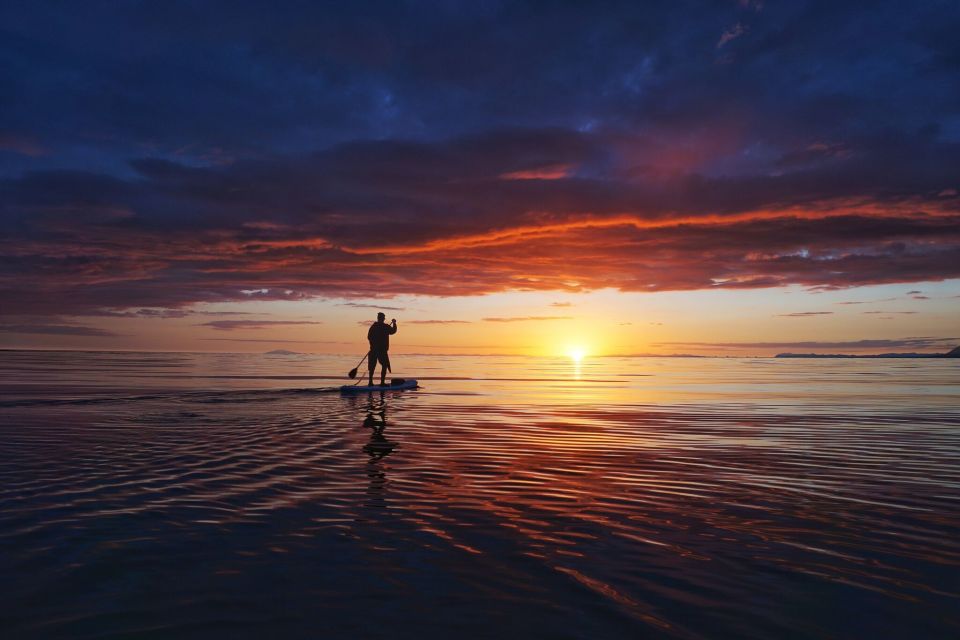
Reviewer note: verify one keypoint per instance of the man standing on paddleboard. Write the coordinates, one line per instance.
(379, 338)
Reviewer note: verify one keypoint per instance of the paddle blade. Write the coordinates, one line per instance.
(352, 374)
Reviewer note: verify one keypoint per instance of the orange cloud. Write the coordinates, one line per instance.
(549, 172)
(378, 220)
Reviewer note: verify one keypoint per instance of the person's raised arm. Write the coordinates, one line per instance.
(393, 326)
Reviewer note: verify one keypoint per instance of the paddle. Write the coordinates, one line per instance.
(353, 372)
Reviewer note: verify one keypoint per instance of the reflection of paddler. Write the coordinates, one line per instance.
(378, 447)
(379, 338)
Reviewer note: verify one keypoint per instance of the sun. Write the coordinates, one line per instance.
(577, 353)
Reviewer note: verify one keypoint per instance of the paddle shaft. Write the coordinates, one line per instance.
(362, 359)
(353, 372)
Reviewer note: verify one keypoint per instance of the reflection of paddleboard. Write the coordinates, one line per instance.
(397, 384)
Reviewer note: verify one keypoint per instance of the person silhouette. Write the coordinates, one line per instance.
(379, 338)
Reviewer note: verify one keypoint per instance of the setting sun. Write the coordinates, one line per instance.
(577, 353)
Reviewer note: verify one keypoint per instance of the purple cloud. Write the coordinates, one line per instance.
(234, 325)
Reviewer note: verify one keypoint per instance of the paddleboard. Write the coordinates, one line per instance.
(397, 384)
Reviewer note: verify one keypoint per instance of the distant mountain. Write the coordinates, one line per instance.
(282, 352)
(954, 353)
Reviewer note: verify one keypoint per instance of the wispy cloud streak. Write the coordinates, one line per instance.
(235, 325)
(527, 318)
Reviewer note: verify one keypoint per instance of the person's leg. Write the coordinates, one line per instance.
(384, 367)
(371, 365)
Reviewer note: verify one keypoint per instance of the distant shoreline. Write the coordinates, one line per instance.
(955, 353)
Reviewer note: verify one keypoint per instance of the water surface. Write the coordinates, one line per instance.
(192, 495)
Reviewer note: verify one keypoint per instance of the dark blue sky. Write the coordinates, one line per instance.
(95, 84)
(167, 153)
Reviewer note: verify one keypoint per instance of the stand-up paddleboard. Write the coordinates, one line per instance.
(397, 384)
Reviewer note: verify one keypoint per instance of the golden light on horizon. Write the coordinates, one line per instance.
(577, 354)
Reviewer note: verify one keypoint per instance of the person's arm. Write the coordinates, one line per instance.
(393, 326)
(370, 335)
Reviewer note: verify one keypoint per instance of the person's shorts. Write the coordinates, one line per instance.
(381, 357)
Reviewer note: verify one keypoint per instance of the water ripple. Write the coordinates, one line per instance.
(477, 508)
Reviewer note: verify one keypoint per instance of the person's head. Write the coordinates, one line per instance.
(381, 316)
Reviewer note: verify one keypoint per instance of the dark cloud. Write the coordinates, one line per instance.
(145, 313)
(156, 156)
(234, 325)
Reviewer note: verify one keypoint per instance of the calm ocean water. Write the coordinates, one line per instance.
(196, 496)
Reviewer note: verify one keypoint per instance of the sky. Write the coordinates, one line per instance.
(735, 177)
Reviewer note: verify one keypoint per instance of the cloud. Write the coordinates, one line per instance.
(234, 325)
(391, 170)
(813, 154)
(358, 305)
(549, 172)
(805, 314)
(20, 144)
(271, 340)
(161, 313)
(57, 330)
(902, 313)
(527, 318)
(732, 33)
(575, 236)
(143, 313)
(561, 304)
(866, 301)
